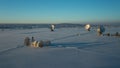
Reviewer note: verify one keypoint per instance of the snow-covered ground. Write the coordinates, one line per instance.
(71, 48)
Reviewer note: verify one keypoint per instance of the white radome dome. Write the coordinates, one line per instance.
(87, 26)
(101, 29)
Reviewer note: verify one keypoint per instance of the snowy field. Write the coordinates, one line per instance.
(70, 48)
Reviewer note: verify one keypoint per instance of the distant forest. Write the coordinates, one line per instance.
(63, 25)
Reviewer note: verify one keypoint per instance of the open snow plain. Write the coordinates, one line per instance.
(70, 48)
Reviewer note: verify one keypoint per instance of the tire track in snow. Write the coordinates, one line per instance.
(97, 53)
(9, 49)
(69, 36)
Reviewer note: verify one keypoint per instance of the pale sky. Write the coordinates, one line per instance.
(59, 11)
